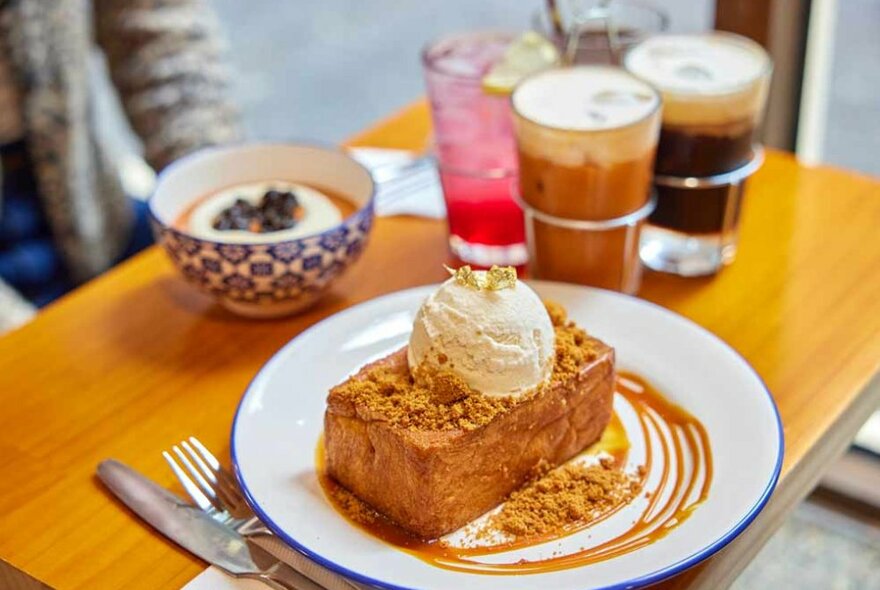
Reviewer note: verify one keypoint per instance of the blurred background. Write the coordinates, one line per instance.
(325, 70)
(298, 71)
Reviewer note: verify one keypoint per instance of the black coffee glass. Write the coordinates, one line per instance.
(714, 89)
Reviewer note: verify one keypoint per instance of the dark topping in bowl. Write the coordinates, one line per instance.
(277, 210)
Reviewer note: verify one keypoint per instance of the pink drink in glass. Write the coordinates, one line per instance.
(476, 150)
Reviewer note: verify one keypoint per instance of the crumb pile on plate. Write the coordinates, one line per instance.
(571, 494)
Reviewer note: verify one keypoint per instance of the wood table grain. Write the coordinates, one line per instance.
(136, 360)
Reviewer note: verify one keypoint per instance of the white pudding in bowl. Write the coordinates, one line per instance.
(317, 210)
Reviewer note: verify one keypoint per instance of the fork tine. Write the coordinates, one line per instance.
(222, 474)
(188, 484)
(194, 473)
(225, 501)
(225, 481)
(200, 463)
(205, 453)
(222, 495)
(224, 484)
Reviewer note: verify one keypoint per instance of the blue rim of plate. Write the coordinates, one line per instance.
(639, 582)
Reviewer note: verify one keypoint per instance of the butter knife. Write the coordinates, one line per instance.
(196, 531)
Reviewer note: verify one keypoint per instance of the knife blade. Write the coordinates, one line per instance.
(195, 530)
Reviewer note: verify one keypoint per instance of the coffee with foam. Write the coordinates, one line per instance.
(587, 114)
(584, 99)
(709, 79)
(586, 139)
(714, 88)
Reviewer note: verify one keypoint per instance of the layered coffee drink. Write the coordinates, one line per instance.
(586, 139)
(714, 88)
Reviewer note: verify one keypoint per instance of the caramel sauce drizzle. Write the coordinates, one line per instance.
(671, 434)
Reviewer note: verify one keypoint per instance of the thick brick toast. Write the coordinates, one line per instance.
(434, 482)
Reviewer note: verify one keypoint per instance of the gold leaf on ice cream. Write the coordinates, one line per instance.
(500, 277)
(495, 279)
(464, 276)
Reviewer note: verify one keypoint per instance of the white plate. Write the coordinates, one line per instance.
(280, 418)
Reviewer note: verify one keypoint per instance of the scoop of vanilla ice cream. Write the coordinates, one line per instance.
(499, 342)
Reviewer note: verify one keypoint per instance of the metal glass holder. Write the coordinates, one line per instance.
(734, 177)
(581, 232)
(628, 220)
(678, 247)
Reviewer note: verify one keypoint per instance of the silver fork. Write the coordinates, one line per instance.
(211, 487)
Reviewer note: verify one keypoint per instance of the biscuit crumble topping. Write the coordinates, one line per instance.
(441, 401)
(571, 494)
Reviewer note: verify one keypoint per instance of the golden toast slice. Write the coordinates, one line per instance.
(432, 481)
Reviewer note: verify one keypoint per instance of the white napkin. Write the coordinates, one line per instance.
(417, 193)
(213, 579)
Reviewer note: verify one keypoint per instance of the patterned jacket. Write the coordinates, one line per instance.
(165, 60)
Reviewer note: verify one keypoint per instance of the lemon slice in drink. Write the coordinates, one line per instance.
(529, 53)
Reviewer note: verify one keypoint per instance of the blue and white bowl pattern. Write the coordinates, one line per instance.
(268, 279)
(268, 273)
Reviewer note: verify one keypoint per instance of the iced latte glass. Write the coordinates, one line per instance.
(586, 139)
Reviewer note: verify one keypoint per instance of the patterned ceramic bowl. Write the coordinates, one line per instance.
(263, 279)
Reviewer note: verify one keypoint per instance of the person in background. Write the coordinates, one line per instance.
(63, 215)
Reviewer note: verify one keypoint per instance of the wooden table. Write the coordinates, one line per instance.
(137, 360)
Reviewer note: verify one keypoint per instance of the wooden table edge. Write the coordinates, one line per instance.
(13, 578)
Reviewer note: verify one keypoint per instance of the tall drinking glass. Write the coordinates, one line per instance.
(714, 89)
(475, 149)
(587, 136)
